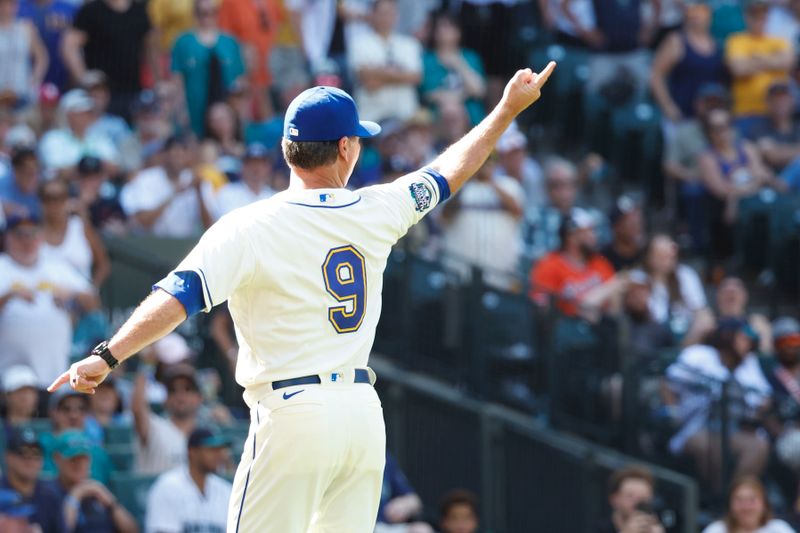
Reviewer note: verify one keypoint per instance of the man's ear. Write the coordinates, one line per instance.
(343, 147)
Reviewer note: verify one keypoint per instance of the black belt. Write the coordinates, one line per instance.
(361, 376)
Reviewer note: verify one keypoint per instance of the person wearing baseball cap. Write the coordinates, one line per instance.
(254, 184)
(575, 268)
(23, 459)
(21, 389)
(783, 421)
(18, 194)
(203, 495)
(82, 500)
(627, 234)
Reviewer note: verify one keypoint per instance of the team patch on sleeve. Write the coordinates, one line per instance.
(421, 194)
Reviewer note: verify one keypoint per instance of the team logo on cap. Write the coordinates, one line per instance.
(421, 195)
(294, 132)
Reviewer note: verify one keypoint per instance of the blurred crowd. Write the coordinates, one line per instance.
(121, 118)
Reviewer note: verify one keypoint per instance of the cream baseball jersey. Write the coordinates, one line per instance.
(302, 273)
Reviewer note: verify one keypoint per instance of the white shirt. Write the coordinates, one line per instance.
(782, 23)
(74, 249)
(582, 10)
(37, 333)
(390, 101)
(165, 448)
(680, 313)
(175, 504)
(151, 187)
(60, 149)
(234, 195)
(773, 526)
(483, 233)
(317, 19)
(303, 274)
(698, 375)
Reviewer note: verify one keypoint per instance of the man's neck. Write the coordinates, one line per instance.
(199, 478)
(23, 486)
(185, 424)
(318, 178)
(782, 124)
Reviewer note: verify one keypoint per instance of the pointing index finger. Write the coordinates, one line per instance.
(60, 380)
(542, 77)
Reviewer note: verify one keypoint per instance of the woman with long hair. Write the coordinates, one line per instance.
(749, 511)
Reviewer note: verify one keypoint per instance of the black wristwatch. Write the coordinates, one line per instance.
(102, 351)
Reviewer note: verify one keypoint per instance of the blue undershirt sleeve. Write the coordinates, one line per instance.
(186, 287)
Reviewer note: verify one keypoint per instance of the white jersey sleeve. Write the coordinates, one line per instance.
(162, 502)
(410, 197)
(224, 260)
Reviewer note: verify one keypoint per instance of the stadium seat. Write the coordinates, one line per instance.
(131, 491)
(122, 456)
(119, 434)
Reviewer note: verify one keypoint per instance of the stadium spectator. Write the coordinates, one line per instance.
(114, 37)
(18, 194)
(36, 296)
(106, 408)
(541, 225)
(23, 459)
(630, 495)
(223, 131)
(161, 440)
(254, 24)
(573, 24)
(70, 237)
(646, 335)
(106, 124)
(694, 389)
(69, 412)
(400, 504)
(732, 302)
(677, 296)
(580, 279)
(21, 395)
(458, 512)
(44, 116)
(451, 72)
(755, 61)
(731, 169)
(620, 65)
(170, 18)
(783, 422)
(152, 125)
(23, 57)
(482, 226)
(626, 248)
(254, 184)
(316, 22)
(169, 200)
(97, 200)
(749, 510)
(192, 497)
(51, 18)
(83, 504)
(60, 150)
(783, 21)
(777, 137)
(205, 62)
(15, 515)
(387, 66)
(684, 62)
(514, 160)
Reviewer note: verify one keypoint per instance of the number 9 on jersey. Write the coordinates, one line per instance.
(345, 275)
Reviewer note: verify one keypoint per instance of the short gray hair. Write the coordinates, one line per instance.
(556, 164)
(310, 154)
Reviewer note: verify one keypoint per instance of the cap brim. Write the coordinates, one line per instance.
(75, 452)
(368, 129)
(214, 442)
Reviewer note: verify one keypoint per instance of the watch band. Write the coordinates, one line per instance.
(102, 351)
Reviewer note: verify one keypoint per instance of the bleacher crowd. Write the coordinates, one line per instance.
(656, 186)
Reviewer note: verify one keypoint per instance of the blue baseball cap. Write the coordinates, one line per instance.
(325, 114)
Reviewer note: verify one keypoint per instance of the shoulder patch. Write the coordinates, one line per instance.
(421, 194)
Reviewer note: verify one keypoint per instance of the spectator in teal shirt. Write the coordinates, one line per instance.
(207, 61)
(451, 72)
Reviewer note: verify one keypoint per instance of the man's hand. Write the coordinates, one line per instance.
(642, 523)
(525, 88)
(83, 376)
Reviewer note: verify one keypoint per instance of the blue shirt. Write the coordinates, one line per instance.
(92, 516)
(10, 193)
(395, 484)
(46, 503)
(51, 19)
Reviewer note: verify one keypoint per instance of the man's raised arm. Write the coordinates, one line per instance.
(461, 160)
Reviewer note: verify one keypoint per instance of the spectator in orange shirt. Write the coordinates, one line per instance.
(579, 277)
(255, 24)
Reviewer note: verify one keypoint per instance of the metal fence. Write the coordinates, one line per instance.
(530, 477)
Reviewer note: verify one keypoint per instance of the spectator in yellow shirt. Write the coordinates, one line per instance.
(170, 18)
(756, 60)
